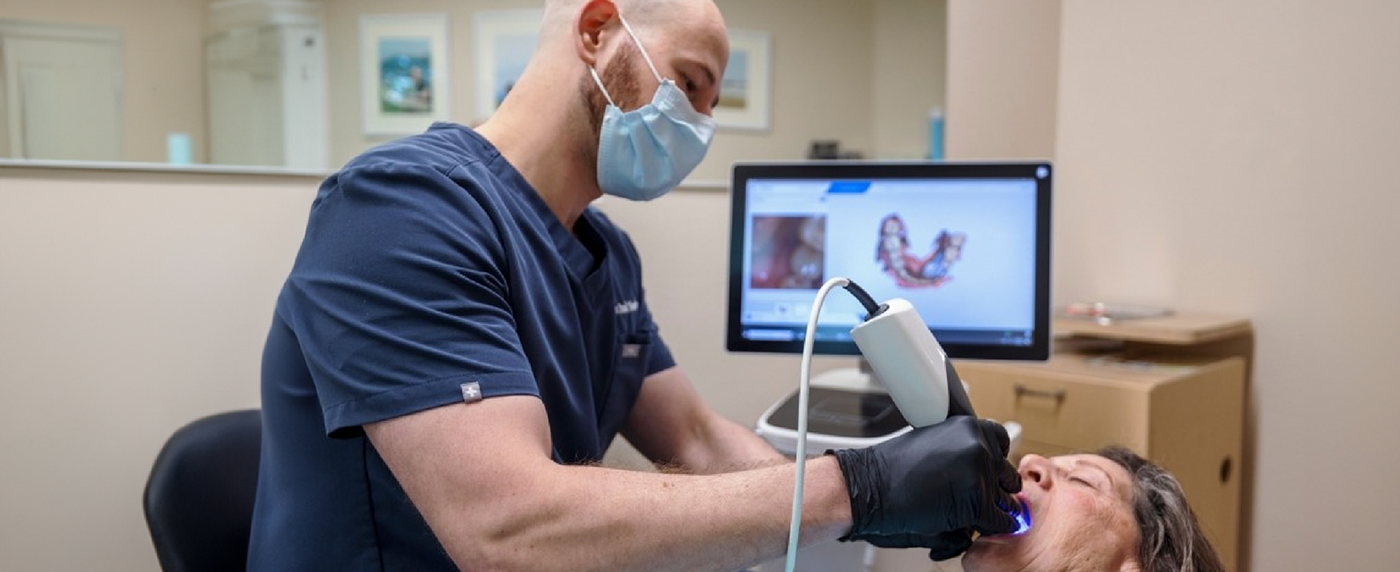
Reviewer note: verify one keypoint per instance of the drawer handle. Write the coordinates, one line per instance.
(1057, 394)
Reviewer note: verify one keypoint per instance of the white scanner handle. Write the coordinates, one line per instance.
(907, 359)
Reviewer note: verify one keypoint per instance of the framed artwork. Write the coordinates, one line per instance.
(403, 72)
(745, 92)
(505, 40)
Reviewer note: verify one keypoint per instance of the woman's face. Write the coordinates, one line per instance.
(1081, 519)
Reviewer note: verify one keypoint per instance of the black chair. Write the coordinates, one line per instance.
(199, 497)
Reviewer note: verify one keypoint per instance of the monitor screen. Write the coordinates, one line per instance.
(968, 244)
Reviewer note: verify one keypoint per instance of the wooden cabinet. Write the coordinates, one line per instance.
(1171, 389)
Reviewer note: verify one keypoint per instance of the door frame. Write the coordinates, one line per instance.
(10, 101)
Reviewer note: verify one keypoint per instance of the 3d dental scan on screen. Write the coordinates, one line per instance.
(941, 260)
(967, 244)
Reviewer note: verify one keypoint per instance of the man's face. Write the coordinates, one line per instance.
(690, 50)
(623, 83)
(693, 53)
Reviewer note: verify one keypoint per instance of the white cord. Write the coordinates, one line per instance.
(802, 392)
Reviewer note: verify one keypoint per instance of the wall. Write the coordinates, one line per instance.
(129, 306)
(1250, 169)
(163, 53)
(821, 90)
(908, 75)
(1003, 65)
(1238, 157)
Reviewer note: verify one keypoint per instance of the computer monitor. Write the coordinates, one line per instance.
(968, 244)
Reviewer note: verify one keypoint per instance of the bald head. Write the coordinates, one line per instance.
(685, 39)
(698, 19)
(640, 12)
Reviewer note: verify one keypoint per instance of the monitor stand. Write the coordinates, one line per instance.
(859, 378)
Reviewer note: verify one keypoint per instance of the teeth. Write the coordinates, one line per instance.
(1022, 516)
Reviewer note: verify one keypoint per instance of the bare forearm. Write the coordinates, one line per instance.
(725, 446)
(673, 427)
(590, 518)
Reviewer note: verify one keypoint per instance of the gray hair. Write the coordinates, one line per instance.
(1170, 537)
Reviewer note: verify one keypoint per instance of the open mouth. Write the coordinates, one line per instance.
(1022, 516)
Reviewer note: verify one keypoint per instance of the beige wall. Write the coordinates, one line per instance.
(1003, 65)
(1251, 169)
(818, 47)
(908, 75)
(163, 53)
(129, 305)
(1238, 157)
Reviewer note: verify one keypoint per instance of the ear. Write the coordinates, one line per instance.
(588, 29)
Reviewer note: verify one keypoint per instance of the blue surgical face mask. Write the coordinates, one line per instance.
(646, 152)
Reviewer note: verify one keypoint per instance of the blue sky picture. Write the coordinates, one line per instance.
(405, 75)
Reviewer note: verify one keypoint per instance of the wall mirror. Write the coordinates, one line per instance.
(283, 84)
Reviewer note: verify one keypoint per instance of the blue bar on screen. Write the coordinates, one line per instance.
(853, 187)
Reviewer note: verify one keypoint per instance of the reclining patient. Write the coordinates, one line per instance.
(1108, 511)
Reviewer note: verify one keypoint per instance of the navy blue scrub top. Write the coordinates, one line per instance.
(432, 270)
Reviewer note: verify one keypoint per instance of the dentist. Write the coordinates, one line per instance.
(461, 338)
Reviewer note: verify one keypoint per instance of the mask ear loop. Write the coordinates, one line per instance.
(646, 57)
(599, 81)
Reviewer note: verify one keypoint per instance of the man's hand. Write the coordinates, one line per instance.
(916, 489)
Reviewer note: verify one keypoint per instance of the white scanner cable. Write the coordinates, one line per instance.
(802, 393)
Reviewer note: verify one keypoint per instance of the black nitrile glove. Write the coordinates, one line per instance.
(958, 403)
(945, 545)
(949, 544)
(920, 488)
(942, 546)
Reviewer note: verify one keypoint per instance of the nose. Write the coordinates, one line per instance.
(701, 103)
(1036, 470)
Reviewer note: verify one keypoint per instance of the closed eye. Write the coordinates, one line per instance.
(695, 78)
(1102, 481)
(1084, 482)
(692, 90)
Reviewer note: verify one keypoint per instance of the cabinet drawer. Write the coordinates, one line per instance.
(1058, 409)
